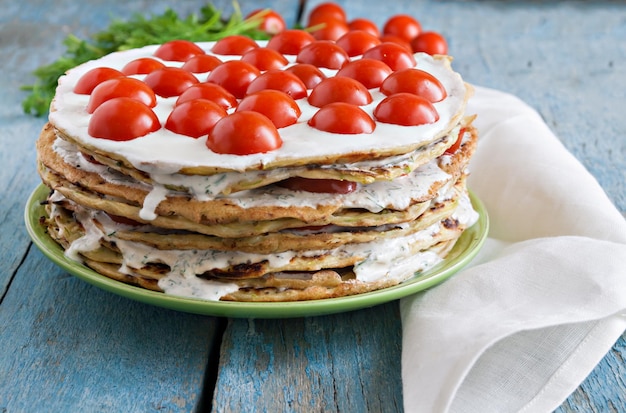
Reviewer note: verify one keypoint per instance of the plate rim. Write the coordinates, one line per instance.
(477, 235)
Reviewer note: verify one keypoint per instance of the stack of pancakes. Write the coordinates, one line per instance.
(225, 227)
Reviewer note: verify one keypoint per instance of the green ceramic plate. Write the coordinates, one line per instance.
(463, 252)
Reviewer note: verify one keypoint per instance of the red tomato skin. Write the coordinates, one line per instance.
(325, 11)
(323, 53)
(280, 80)
(339, 89)
(244, 133)
(394, 55)
(235, 76)
(234, 45)
(194, 118)
(142, 66)
(365, 25)
(319, 186)
(309, 74)
(281, 109)
(342, 118)
(457, 144)
(357, 42)
(121, 87)
(122, 119)
(209, 91)
(93, 78)
(388, 38)
(406, 109)
(331, 29)
(264, 59)
(271, 22)
(371, 73)
(290, 41)
(170, 81)
(403, 26)
(414, 81)
(178, 50)
(430, 42)
(201, 63)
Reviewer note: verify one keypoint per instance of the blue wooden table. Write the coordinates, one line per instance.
(68, 346)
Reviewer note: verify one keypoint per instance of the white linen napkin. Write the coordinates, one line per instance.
(521, 327)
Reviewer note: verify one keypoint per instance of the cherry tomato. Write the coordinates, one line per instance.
(277, 106)
(406, 109)
(264, 59)
(331, 29)
(371, 73)
(308, 73)
(209, 91)
(141, 66)
(394, 55)
(234, 45)
(414, 81)
(357, 42)
(326, 11)
(271, 22)
(323, 53)
(388, 38)
(122, 119)
(194, 118)
(283, 81)
(170, 81)
(244, 133)
(235, 76)
(290, 42)
(178, 50)
(365, 25)
(93, 78)
(431, 43)
(201, 63)
(326, 186)
(119, 87)
(403, 26)
(339, 89)
(457, 144)
(344, 118)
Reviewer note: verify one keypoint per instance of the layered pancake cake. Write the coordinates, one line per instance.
(292, 169)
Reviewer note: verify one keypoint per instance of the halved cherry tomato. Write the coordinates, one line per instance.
(403, 26)
(93, 78)
(371, 73)
(339, 89)
(271, 22)
(201, 63)
(235, 44)
(209, 91)
(170, 81)
(414, 81)
(323, 53)
(235, 76)
(344, 118)
(122, 119)
(308, 73)
(244, 133)
(330, 29)
(357, 42)
(290, 41)
(121, 87)
(394, 55)
(326, 11)
(281, 109)
(325, 186)
(194, 118)
(283, 81)
(457, 144)
(431, 43)
(178, 50)
(365, 25)
(141, 66)
(406, 109)
(264, 59)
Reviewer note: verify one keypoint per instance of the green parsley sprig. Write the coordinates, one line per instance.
(138, 31)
